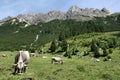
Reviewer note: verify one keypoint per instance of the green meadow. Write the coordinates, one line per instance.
(78, 67)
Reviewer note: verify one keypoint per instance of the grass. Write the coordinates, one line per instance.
(73, 69)
(83, 68)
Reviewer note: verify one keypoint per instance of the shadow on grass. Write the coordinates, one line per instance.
(117, 34)
(27, 78)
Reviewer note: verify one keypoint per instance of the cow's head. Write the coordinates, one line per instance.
(20, 66)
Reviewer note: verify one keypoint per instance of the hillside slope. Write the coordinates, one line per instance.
(78, 67)
(16, 34)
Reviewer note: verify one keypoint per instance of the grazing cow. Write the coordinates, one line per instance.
(21, 61)
(32, 54)
(3, 55)
(97, 60)
(56, 59)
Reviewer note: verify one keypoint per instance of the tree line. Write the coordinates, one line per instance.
(56, 29)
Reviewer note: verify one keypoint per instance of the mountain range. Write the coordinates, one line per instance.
(27, 30)
(74, 13)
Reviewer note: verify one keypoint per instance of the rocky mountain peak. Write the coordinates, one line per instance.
(52, 15)
(105, 10)
(74, 12)
(74, 9)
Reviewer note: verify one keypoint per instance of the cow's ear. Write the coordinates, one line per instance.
(25, 65)
(14, 65)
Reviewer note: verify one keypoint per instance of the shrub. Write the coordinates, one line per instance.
(105, 53)
(105, 59)
(53, 46)
(108, 57)
(110, 51)
(74, 51)
(86, 53)
(97, 53)
(80, 68)
(69, 55)
(106, 76)
(93, 45)
(66, 54)
(64, 45)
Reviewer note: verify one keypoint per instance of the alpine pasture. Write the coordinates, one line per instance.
(78, 67)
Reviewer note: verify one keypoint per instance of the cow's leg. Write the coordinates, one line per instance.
(59, 62)
(15, 69)
(24, 69)
(52, 62)
(18, 70)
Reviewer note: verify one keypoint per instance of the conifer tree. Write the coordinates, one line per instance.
(53, 46)
(64, 45)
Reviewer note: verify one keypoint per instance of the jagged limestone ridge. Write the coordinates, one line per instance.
(74, 12)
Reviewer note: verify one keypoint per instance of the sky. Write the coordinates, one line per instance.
(16, 7)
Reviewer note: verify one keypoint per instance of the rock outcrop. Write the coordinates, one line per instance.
(74, 12)
(52, 15)
(85, 14)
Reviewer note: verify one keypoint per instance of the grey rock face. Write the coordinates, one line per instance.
(52, 15)
(85, 14)
(74, 12)
(29, 18)
(104, 10)
(35, 18)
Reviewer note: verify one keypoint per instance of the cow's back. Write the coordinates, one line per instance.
(25, 56)
(56, 58)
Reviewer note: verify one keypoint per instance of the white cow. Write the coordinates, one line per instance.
(56, 59)
(97, 60)
(32, 54)
(3, 55)
(21, 61)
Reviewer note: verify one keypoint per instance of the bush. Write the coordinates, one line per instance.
(97, 53)
(105, 53)
(74, 51)
(105, 59)
(93, 45)
(110, 51)
(66, 54)
(106, 76)
(64, 45)
(108, 57)
(86, 53)
(69, 55)
(80, 68)
(53, 46)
